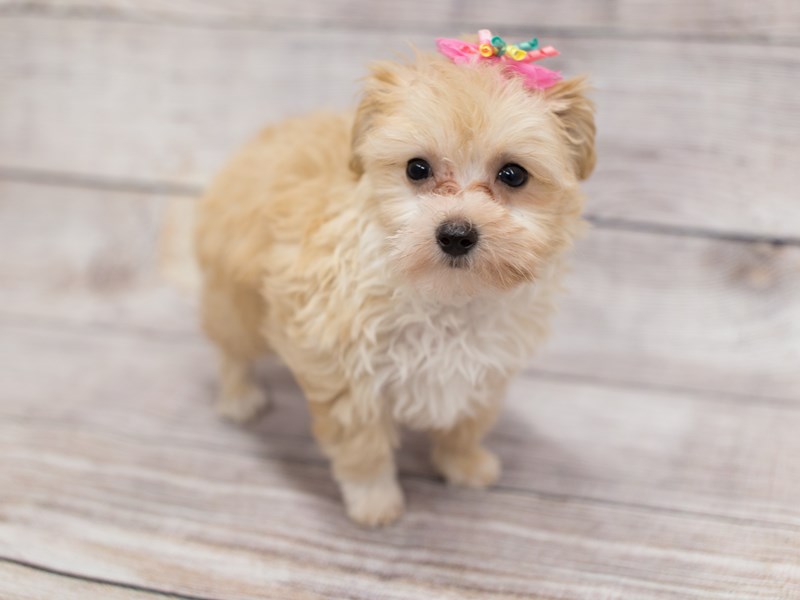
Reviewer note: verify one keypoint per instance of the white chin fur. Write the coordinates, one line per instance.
(447, 349)
(446, 337)
(451, 286)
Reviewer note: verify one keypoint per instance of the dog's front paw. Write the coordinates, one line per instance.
(476, 468)
(374, 502)
(243, 407)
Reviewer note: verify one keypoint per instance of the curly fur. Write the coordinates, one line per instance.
(315, 245)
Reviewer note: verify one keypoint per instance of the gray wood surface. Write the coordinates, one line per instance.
(777, 20)
(558, 437)
(692, 134)
(704, 314)
(24, 582)
(151, 489)
(650, 452)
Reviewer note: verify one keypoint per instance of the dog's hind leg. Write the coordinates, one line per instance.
(231, 316)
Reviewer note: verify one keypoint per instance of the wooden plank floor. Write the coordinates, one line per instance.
(651, 452)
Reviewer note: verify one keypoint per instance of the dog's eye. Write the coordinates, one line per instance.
(418, 168)
(512, 175)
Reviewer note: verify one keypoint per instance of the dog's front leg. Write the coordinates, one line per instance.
(362, 460)
(457, 452)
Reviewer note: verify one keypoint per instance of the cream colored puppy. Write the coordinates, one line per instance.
(402, 261)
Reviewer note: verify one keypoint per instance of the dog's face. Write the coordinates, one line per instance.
(472, 175)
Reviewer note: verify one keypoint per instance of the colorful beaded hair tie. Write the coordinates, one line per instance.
(515, 58)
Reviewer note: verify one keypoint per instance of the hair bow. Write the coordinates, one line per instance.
(515, 58)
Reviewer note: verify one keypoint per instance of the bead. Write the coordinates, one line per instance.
(516, 53)
(498, 42)
(486, 50)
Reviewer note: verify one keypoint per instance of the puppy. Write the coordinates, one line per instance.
(401, 260)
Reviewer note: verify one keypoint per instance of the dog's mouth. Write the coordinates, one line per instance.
(457, 262)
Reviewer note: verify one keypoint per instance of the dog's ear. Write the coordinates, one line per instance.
(379, 86)
(569, 101)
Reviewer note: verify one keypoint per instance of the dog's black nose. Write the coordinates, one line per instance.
(456, 238)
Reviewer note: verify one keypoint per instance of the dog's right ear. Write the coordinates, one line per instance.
(379, 86)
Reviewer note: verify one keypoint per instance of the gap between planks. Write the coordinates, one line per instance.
(18, 567)
(133, 186)
(44, 10)
(37, 323)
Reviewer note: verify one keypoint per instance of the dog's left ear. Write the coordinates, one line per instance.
(570, 103)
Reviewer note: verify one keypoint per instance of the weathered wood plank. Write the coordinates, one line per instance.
(771, 19)
(242, 525)
(653, 309)
(93, 256)
(691, 134)
(665, 450)
(19, 582)
(681, 312)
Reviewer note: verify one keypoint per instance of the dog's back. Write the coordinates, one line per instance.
(270, 193)
(257, 220)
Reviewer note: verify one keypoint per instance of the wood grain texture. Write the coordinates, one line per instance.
(92, 257)
(682, 312)
(142, 485)
(651, 309)
(19, 582)
(649, 453)
(673, 451)
(770, 19)
(680, 142)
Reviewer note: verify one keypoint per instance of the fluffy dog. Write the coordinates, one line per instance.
(401, 260)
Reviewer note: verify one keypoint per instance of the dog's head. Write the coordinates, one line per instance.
(473, 176)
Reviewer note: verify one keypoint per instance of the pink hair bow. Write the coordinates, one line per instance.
(515, 58)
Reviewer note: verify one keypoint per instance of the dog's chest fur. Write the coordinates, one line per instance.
(436, 363)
